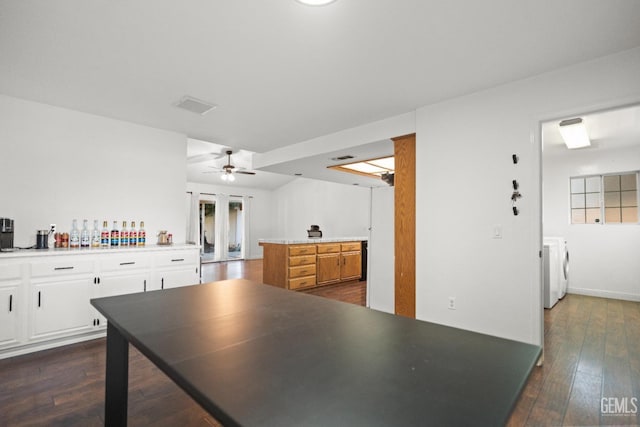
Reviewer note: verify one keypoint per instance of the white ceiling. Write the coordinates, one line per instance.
(283, 73)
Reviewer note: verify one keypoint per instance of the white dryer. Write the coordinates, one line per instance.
(558, 266)
(551, 273)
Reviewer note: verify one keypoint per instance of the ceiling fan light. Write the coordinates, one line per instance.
(231, 177)
(574, 133)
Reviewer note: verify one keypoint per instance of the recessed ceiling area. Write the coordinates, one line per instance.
(205, 165)
(319, 166)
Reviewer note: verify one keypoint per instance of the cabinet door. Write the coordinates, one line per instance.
(121, 285)
(328, 268)
(61, 307)
(351, 266)
(177, 278)
(9, 324)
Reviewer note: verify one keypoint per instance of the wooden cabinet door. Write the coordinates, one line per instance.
(328, 268)
(351, 266)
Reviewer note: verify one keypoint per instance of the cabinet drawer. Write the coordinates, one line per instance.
(305, 270)
(176, 258)
(302, 282)
(10, 271)
(61, 267)
(302, 250)
(351, 246)
(302, 260)
(329, 248)
(124, 262)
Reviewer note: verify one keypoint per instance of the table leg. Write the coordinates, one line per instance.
(117, 378)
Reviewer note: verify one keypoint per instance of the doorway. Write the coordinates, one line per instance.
(221, 227)
(590, 200)
(207, 230)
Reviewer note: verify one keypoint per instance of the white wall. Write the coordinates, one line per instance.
(340, 210)
(464, 174)
(381, 274)
(260, 221)
(58, 164)
(603, 258)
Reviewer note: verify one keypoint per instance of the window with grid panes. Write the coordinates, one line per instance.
(608, 199)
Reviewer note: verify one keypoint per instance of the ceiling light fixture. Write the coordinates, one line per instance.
(228, 176)
(574, 133)
(315, 2)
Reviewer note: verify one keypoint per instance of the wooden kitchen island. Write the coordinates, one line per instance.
(307, 263)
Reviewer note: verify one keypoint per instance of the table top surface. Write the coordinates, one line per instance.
(255, 355)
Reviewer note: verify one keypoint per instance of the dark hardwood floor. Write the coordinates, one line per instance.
(592, 351)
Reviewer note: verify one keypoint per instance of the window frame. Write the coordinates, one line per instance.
(601, 198)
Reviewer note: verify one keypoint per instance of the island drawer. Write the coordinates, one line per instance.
(305, 270)
(302, 250)
(328, 248)
(302, 282)
(302, 260)
(351, 246)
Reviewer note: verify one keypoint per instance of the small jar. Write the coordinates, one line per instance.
(64, 240)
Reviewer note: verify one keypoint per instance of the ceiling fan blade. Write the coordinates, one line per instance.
(245, 172)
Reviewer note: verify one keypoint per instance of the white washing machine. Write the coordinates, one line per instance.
(557, 269)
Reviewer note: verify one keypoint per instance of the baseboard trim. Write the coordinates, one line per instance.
(604, 294)
(22, 349)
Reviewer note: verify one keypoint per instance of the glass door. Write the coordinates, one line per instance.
(207, 230)
(235, 229)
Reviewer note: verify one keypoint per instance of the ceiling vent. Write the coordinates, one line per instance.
(341, 158)
(195, 105)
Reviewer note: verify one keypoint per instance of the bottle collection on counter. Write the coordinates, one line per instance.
(123, 237)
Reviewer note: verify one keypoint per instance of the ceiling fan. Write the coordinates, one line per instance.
(229, 170)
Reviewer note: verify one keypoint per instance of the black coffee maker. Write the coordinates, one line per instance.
(6, 234)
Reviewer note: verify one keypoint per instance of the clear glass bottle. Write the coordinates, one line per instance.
(85, 235)
(115, 235)
(74, 235)
(124, 235)
(95, 235)
(142, 235)
(104, 235)
(133, 234)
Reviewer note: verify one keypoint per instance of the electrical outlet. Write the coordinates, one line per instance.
(452, 303)
(52, 228)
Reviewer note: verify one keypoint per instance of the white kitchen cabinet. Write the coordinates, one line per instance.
(60, 307)
(9, 321)
(60, 292)
(45, 295)
(174, 269)
(11, 304)
(119, 274)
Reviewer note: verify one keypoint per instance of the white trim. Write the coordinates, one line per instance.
(604, 294)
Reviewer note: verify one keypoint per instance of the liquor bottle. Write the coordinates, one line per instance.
(124, 235)
(133, 234)
(104, 235)
(95, 235)
(85, 236)
(74, 235)
(115, 235)
(142, 235)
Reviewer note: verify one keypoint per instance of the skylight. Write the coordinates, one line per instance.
(373, 168)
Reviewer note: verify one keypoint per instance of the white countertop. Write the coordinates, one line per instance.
(16, 253)
(282, 241)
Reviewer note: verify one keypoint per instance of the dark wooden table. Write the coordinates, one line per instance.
(255, 355)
